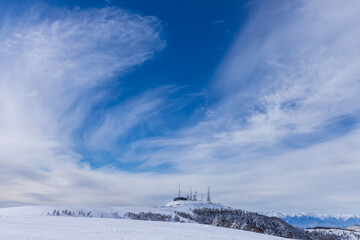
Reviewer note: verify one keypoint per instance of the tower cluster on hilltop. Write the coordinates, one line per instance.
(192, 197)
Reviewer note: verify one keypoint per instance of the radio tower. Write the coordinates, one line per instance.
(208, 195)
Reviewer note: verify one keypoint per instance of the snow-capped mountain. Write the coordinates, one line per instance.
(310, 220)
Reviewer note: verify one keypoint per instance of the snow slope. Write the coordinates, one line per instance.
(32, 223)
(342, 233)
(188, 206)
(112, 212)
(355, 228)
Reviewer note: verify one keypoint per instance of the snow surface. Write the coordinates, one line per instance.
(33, 223)
(188, 206)
(112, 212)
(353, 228)
(344, 234)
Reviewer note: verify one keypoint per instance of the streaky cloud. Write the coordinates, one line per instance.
(292, 74)
(52, 62)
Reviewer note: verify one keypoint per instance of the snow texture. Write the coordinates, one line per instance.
(175, 220)
(353, 228)
(32, 223)
(338, 233)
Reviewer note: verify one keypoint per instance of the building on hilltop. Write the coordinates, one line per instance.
(180, 199)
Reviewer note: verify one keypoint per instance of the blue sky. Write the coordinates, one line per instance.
(117, 102)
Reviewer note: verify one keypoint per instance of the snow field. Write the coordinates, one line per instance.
(71, 228)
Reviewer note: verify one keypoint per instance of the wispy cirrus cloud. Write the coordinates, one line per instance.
(282, 136)
(125, 116)
(288, 110)
(53, 61)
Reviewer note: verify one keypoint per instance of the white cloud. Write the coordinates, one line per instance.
(303, 72)
(124, 117)
(293, 72)
(51, 60)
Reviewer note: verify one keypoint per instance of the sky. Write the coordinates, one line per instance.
(117, 102)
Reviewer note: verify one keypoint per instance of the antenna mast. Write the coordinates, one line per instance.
(208, 195)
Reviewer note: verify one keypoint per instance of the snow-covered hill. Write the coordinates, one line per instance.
(341, 234)
(110, 212)
(33, 222)
(175, 220)
(355, 228)
(188, 206)
(197, 212)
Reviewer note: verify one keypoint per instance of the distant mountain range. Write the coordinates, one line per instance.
(309, 220)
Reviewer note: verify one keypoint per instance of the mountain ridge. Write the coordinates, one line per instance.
(311, 220)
